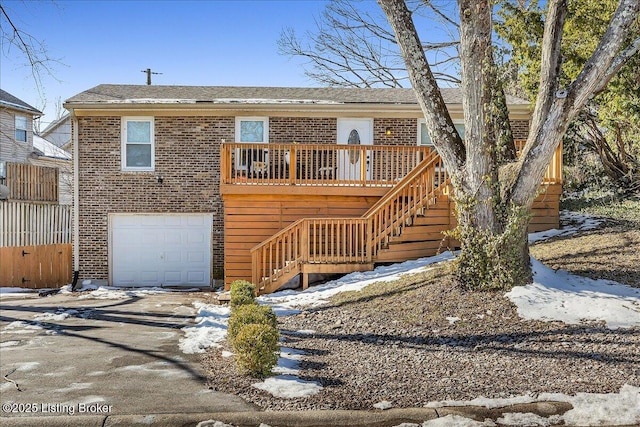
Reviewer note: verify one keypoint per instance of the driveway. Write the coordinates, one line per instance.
(102, 354)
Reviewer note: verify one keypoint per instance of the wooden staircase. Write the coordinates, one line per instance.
(406, 223)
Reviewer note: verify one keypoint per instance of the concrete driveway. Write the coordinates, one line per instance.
(82, 354)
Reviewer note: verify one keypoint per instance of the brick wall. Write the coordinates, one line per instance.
(303, 130)
(187, 156)
(403, 131)
(520, 129)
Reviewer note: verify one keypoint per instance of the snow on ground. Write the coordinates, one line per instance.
(209, 330)
(290, 301)
(554, 295)
(560, 295)
(578, 222)
(287, 385)
(589, 409)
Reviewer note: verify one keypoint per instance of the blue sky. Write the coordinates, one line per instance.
(190, 42)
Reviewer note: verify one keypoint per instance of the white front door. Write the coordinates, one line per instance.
(160, 250)
(353, 163)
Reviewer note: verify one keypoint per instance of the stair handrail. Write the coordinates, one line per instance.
(373, 243)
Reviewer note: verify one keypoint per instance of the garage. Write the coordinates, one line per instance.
(160, 250)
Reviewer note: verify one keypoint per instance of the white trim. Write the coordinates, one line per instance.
(123, 143)
(419, 130)
(265, 128)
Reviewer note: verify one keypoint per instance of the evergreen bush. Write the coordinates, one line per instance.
(242, 293)
(257, 348)
(249, 314)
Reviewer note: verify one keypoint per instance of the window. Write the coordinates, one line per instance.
(423, 135)
(252, 129)
(21, 128)
(3, 169)
(138, 144)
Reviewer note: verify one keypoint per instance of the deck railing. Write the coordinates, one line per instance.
(347, 240)
(317, 164)
(332, 165)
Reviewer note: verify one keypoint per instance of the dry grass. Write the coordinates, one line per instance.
(612, 252)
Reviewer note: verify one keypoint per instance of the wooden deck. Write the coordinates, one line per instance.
(319, 211)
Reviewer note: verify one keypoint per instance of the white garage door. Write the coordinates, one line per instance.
(161, 250)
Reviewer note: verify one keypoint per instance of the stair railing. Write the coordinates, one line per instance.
(347, 240)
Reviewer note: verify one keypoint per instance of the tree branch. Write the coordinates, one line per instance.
(437, 118)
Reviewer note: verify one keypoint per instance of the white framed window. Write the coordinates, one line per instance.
(423, 135)
(252, 129)
(21, 128)
(138, 144)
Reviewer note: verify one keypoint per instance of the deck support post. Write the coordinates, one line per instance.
(305, 281)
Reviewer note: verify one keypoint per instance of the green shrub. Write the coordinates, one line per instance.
(248, 315)
(256, 347)
(242, 293)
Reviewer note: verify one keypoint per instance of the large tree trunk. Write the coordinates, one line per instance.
(489, 230)
(493, 191)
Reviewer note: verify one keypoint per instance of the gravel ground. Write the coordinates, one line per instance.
(393, 341)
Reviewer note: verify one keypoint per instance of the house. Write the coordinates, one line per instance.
(59, 132)
(16, 130)
(31, 167)
(181, 185)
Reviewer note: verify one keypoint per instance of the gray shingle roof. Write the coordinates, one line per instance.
(108, 93)
(11, 101)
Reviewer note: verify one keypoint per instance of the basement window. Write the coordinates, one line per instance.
(138, 144)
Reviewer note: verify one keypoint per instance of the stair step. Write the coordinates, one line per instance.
(420, 233)
(406, 251)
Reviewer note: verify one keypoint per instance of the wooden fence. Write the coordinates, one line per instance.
(32, 183)
(35, 245)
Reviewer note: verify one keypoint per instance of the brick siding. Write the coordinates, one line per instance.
(303, 130)
(187, 156)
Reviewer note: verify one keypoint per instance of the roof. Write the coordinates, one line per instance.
(10, 101)
(48, 149)
(153, 94)
(54, 124)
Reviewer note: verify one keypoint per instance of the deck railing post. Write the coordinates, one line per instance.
(363, 166)
(304, 242)
(293, 165)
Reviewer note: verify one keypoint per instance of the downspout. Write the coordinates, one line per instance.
(76, 203)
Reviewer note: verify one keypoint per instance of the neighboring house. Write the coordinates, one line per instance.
(179, 185)
(16, 130)
(59, 132)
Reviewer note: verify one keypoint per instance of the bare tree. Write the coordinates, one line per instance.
(355, 47)
(493, 191)
(29, 47)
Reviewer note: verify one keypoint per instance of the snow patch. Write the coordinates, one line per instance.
(457, 421)
(384, 405)
(288, 387)
(560, 295)
(209, 331)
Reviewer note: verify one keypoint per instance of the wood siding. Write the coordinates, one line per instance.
(251, 219)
